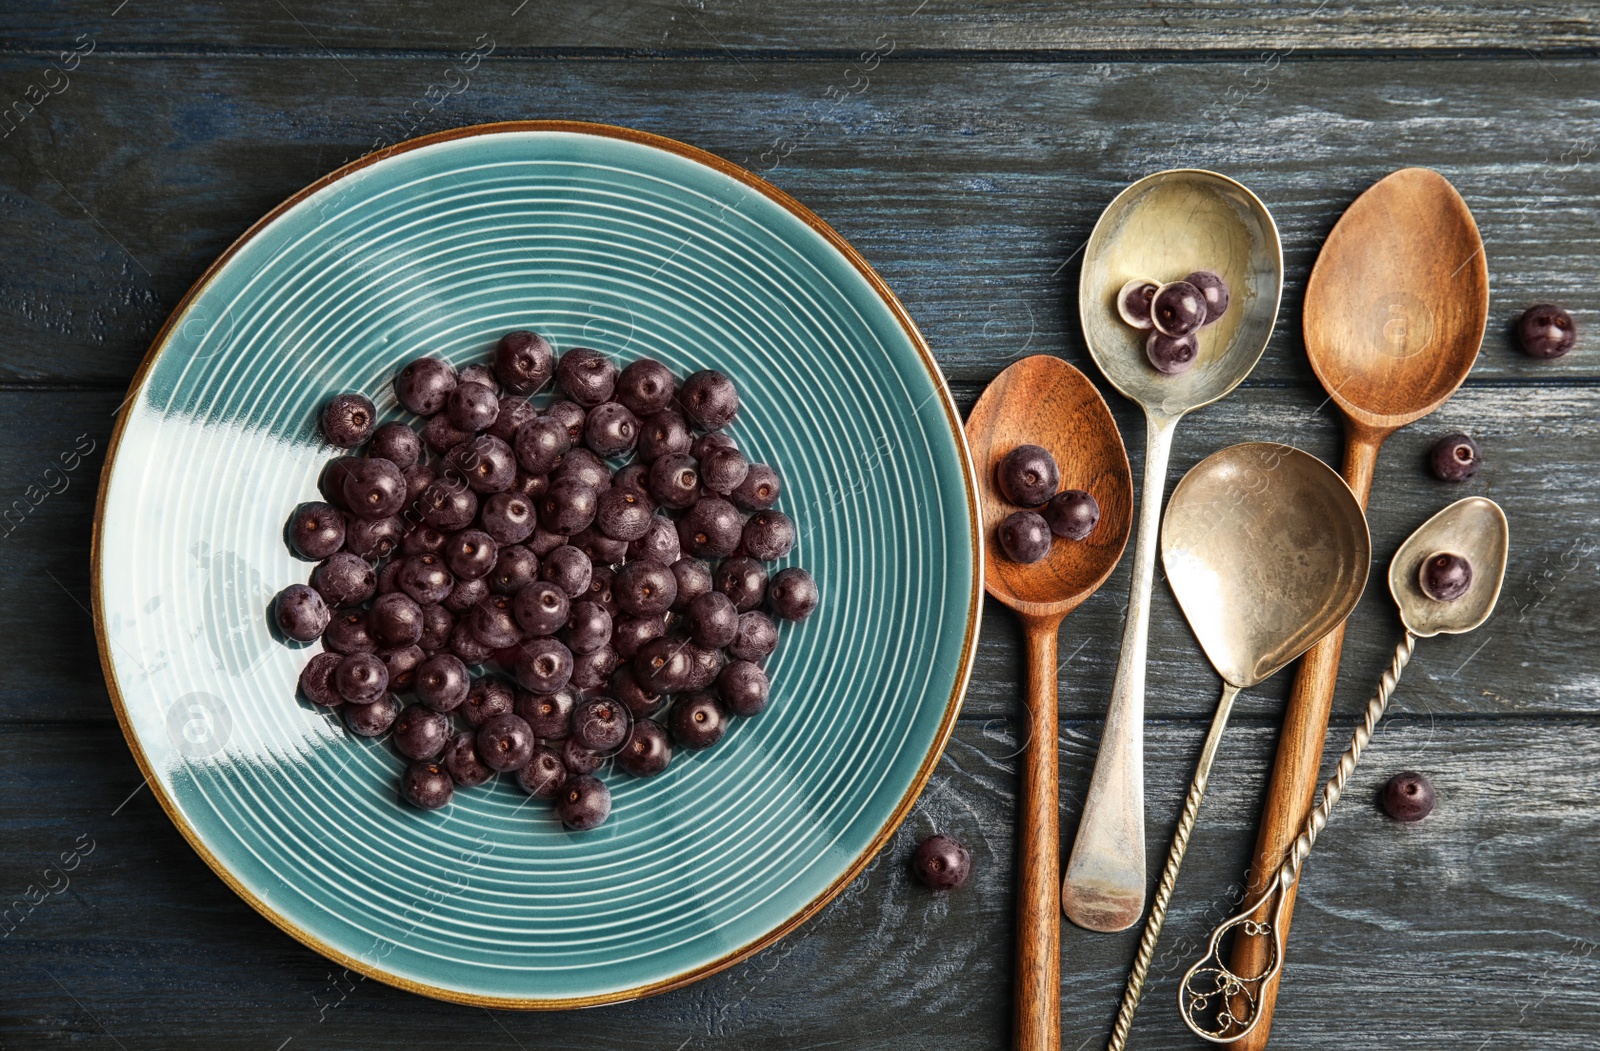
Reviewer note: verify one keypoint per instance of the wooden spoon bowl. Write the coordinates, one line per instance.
(1044, 401)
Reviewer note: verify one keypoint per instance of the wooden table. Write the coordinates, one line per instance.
(968, 164)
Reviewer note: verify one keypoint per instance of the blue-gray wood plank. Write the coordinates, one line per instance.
(969, 170)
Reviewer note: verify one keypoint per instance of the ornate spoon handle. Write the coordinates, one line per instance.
(1210, 990)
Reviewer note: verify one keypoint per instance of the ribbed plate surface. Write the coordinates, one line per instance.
(595, 236)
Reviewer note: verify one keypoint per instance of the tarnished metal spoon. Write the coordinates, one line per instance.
(1163, 227)
(1223, 1006)
(1266, 551)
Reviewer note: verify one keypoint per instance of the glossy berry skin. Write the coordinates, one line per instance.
(488, 697)
(705, 664)
(1445, 577)
(941, 863)
(422, 539)
(570, 415)
(674, 480)
(494, 624)
(330, 481)
(547, 714)
(480, 374)
(583, 803)
(464, 644)
(624, 687)
(769, 535)
(543, 774)
(466, 594)
(624, 514)
(543, 666)
(462, 762)
(508, 518)
(742, 579)
(515, 567)
(582, 465)
(427, 785)
(424, 384)
(1072, 514)
(628, 634)
(523, 361)
(374, 488)
(1407, 797)
(344, 580)
(648, 750)
(440, 435)
(601, 724)
(712, 619)
(590, 671)
(644, 588)
(568, 569)
(486, 463)
(703, 445)
(663, 434)
(1454, 458)
(660, 542)
(600, 549)
(698, 721)
(396, 443)
(316, 680)
(634, 477)
(1024, 536)
(372, 720)
(646, 386)
(316, 530)
(792, 594)
(373, 538)
(610, 429)
(709, 399)
(300, 613)
(395, 620)
(587, 376)
(505, 743)
(540, 444)
(1171, 354)
(437, 624)
(712, 528)
(757, 638)
(1133, 302)
(1177, 309)
(759, 490)
(448, 505)
(347, 633)
(472, 407)
(361, 678)
(426, 579)
(402, 663)
(418, 477)
(1214, 290)
(421, 733)
(663, 665)
(515, 410)
(442, 682)
(1028, 475)
(600, 581)
(471, 554)
(722, 469)
(694, 579)
(588, 627)
(743, 687)
(541, 608)
(568, 506)
(348, 420)
(1546, 332)
(389, 576)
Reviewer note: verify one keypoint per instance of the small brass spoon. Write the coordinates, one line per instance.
(1266, 551)
(1163, 227)
(1222, 1006)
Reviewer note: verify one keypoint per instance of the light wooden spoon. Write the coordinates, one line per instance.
(1044, 401)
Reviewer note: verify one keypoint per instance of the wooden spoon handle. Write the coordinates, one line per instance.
(1293, 787)
(1038, 1018)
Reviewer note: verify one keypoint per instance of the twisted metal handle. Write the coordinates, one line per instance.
(1210, 989)
(1169, 874)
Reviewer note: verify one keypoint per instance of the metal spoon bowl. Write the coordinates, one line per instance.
(1474, 528)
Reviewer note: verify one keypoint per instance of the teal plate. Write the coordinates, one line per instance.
(591, 235)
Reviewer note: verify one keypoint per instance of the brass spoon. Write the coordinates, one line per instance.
(1042, 400)
(1394, 315)
(1221, 1005)
(1266, 551)
(1163, 227)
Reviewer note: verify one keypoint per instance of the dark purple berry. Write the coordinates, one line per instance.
(361, 678)
(694, 579)
(395, 620)
(540, 444)
(373, 538)
(466, 594)
(1171, 354)
(567, 507)
(1024, 536)
(625, 687)
(582, 465)
(426, 579)
(635, 476)
(610, 429)
(757, 637)
(646, 386)
(661, 434)
(584, 802)
(1445, 577)
(543, 665)
(630, 633)
(623, 514)
(486, 698)
(1072, 513)
(543, 774)
(316, 680)
(701, 447)
(723, 469)
(374, 488)
(712, 620)
(301, 614)
(389, 576)
(743, 688)
(1133, 302)
(461, 760)
(515, 410)
(769, 535)
(1545, 332)
(1408, 796)
(1454, 458)
(712, 528)
(568, 569)
(482, 375)
(374, 719)
(601, 724)
(472, 407)
(515, 567)
(1028, 475)
(759, 490)
(599, 548)
(541, 608)
(437, 624)
(347, 633)
(494, 623)
(396, 443)
(941, 863)
(587, 376)
(316, 530)
(465, 645)
(588, 627)
(471, 554)
(330, 481)
(402, 663)
(591, 670)
(663, 665)
(440, 435)
(644, 588)
(505, 743)
(742, 579)
(344, 580)
(709, 399)
(486, 463)
(648, 750)
(422, 539)
(571, 416)
(1177, 308)
(348, 419)
(418, 477)
(792, 594)
(579, 760)
(426, 785)
(523, 361)
(448, 505)
(675, 480)
(424, 384)
(421, 733)
(509, 518)
(443, 682)
(698, 721)
(660, 542)
(547, 714)
(1214, 290)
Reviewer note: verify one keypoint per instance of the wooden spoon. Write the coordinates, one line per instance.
(1043, 401)
(1394, 315)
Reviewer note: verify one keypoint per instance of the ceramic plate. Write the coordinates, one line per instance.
(591, 235)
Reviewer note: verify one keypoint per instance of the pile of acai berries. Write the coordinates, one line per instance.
(629, 607)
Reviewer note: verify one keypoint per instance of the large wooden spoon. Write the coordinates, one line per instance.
(1044, 401)
(1394, 316)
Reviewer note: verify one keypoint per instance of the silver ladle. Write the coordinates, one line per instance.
(1266, 550)
(1162, 227)
(1218, 1004)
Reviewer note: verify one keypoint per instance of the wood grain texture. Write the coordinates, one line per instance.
(1472, 910)
(969, 185)
(652, 25)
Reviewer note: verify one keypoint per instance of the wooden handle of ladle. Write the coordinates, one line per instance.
(1038, 1017)
(1293, 787)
